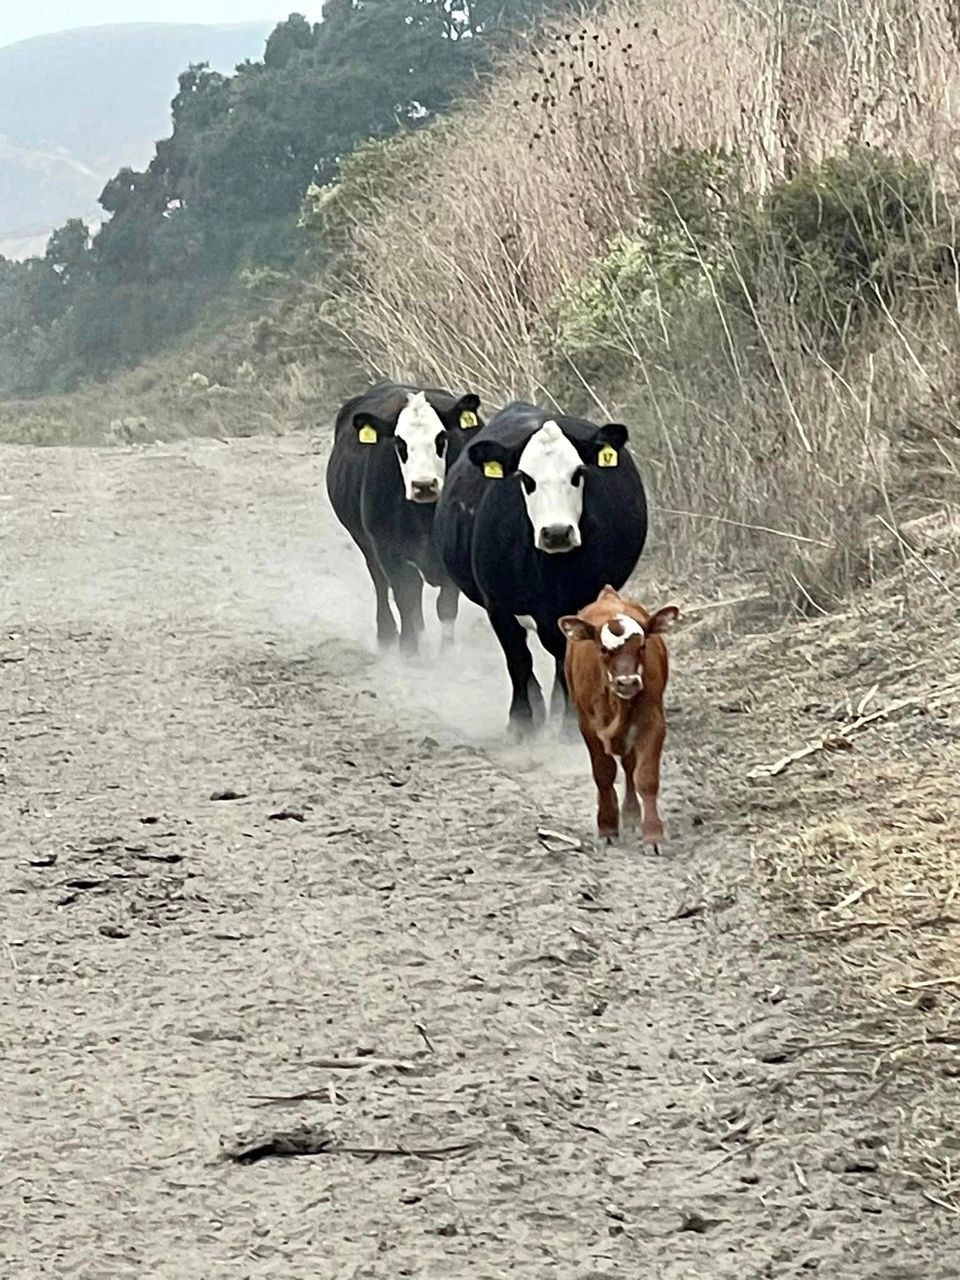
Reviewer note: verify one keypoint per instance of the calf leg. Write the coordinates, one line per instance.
(447, 604)
(407, 586)
(526, 705)
(631, 814)
(646, 777)
(605, 776)
(386, 624)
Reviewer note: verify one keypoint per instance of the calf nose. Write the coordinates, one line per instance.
(557, 537)
(627, 686)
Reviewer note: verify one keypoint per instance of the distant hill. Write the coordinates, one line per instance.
(77, 106)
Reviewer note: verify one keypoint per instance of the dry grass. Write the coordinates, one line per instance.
(779, 465)
(855, 849)
(205, 393)
(530, 186)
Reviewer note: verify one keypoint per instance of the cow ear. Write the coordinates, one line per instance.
(614, 433)
(575, 628)
(662, 620)
(606, 444)
(370, 429)
(463, 414)
(492, 458)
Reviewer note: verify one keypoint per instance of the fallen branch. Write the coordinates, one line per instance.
(548, 837)
(309, 1140)
(363, 1063)
(954, 980)
(839, 739)
(842, 926)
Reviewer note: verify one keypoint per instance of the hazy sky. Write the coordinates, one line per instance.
(22, 18)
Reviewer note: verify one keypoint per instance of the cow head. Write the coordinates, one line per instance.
(420, 440)
(551, 468)
(621, 643)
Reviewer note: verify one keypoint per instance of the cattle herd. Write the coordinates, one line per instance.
(539, 519)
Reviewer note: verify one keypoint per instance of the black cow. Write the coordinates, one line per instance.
(391, 448)
(538, 514)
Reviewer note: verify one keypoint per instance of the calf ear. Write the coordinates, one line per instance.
(662, 620)
(492, 458)
(575, 628)
(370, 429)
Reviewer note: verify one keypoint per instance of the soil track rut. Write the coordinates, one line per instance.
(615, 1031)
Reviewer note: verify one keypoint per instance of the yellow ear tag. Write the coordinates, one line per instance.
(607, 457)
(468, 419)
(493, 470)
(367, 434)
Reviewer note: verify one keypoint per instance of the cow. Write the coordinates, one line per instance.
(616, 668)
(391, 449)
(538, 512)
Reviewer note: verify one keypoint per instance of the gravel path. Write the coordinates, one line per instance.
(613, 1031)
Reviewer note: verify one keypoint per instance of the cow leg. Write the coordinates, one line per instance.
(526, 705)
(631, 814)
(646, 777)
(386, 624)
(448, 602)
(407, 586)
(556, 646)
(559, 700)
(605, 776)
(560, 705)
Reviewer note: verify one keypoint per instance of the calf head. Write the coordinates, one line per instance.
(551, 468)
(420, 437)
(621, 643)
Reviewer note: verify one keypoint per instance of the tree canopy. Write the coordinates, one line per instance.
(224, 189)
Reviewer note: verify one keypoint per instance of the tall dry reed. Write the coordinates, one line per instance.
(788, 466)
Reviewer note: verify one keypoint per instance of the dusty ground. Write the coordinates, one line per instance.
(658, 1084)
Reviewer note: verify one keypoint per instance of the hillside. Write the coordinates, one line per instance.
(78, 105)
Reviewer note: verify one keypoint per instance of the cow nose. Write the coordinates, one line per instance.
(557, 537)
(425, 490)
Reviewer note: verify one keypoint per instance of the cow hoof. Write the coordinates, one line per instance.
(521, 726)
(653, 848)
(608, 841)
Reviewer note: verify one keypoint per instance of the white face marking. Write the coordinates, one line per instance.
(423, 469)
(556, 503)
(627, 626)
(526, 622)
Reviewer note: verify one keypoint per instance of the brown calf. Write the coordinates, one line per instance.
(616, 668)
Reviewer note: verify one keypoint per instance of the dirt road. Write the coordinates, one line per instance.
(615, 1032)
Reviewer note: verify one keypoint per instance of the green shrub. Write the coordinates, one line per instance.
(651, 282)
(840, 243)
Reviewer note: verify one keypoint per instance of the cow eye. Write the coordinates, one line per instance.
(401, 448)
(577, 478)
(528, 482)
(441, 443)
